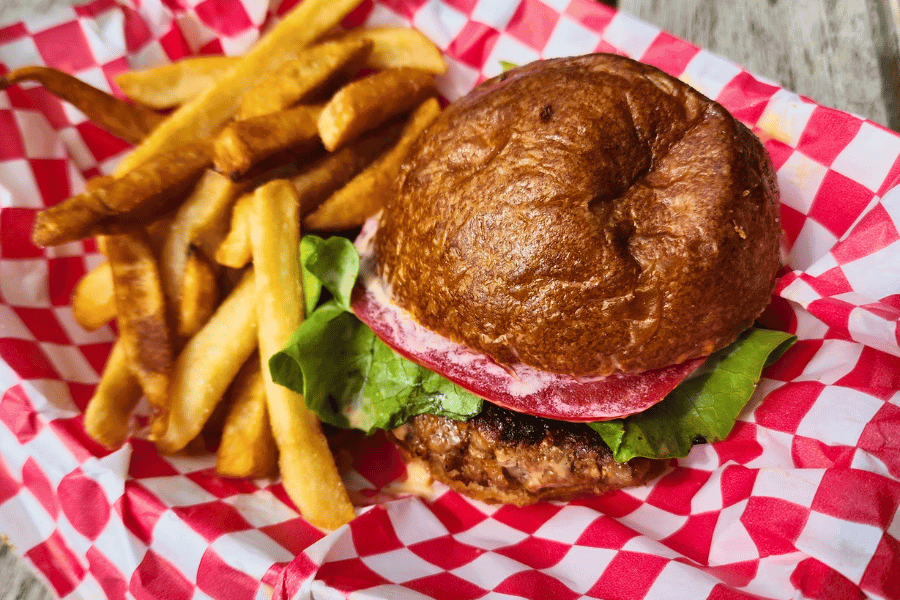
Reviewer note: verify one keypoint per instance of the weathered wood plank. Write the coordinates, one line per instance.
(838, 52)
(14, 10)
(16, 579)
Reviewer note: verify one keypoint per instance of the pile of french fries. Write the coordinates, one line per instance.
(201, 223)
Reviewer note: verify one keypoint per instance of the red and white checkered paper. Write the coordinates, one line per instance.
(800, 502)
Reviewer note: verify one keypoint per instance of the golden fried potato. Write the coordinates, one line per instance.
(131, 122)
(207, 364)
(247, 448)
(314, 186)
(370, 101)
(207, 113)
(351, 205)
(243, 144)
(168, 86)
(397, 48)
(109, 409)
(235, 250)
(96, 183)
(199, 295)
(334, 170)
(126, 203)
(93, 302)
(141, 316)
(206, 206)
(316, 70)
(308, 471)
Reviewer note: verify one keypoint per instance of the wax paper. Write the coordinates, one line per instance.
(800, 502)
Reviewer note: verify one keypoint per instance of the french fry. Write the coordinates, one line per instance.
(96, 183)
(93, 302)
(117, 393)
(207, 113)
(164, 213)
(207, 204)
(370, 101)
(141, 316)
(207, 441)
(243, 144)
(131, 122)
(168, 86)
(235, 250)
(314, 186)
(199, 295)
(308, 469)
(351, 205)
(282, 164)
(158, 231)
(207, 364)
(101, 181)
(336, 169)
(399, 47)
(133, 200)
(314, 71)
(208, 239)
(247, 448)
(211, 225)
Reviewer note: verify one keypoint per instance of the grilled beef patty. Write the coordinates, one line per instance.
(501, 456)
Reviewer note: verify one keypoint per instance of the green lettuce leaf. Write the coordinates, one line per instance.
(702, 408)
(312, 287)
(353, 380)
(348, 376)
(332, 263)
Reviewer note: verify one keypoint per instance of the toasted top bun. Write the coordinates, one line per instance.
(585, 216)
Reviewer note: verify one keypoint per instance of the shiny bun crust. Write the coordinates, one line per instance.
(584, 215)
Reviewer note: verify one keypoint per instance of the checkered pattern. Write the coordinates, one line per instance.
(801, 501)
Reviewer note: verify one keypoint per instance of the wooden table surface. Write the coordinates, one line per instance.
(840, 53)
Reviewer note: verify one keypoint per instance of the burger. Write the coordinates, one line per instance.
(560, 294)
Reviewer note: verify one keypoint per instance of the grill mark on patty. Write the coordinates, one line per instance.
(501, 456)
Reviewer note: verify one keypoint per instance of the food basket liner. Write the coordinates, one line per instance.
(799, 502)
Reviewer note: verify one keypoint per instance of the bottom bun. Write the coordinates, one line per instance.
(501, 456)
